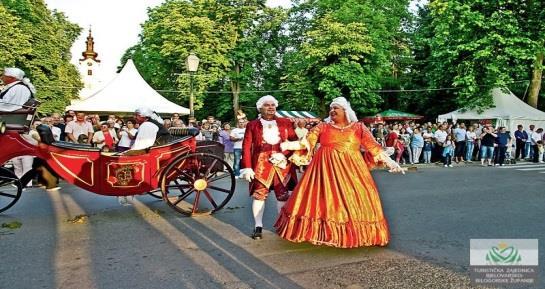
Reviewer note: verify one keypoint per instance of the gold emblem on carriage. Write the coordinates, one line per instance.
(124, 175)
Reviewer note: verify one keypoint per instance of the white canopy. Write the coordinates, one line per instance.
(508, 111)
(124, 94)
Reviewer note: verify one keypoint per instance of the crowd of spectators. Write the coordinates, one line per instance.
(411, 142)
(414, 143)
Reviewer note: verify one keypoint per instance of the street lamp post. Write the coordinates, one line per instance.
(192, 64)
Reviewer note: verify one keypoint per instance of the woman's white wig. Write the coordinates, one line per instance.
(266, 98)
(148, 112)
(349, 112)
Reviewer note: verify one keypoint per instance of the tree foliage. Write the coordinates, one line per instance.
(321, 49)
(478, 45)
(342, 48)
(332, 62)
(14, 44)
(38, 41)
(227, 36)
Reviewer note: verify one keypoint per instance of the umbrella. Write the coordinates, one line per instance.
(391, 114)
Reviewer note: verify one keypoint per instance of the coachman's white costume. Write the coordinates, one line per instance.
(17, 92)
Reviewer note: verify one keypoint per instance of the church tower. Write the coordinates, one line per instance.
(89, 69)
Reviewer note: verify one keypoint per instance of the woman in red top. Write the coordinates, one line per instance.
(104, 139)
(392, 137)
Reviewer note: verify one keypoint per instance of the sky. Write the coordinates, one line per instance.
(115, 25)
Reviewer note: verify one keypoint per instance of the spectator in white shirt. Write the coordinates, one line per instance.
(529, 148)
(536, 136)
(439, 136)
(54, 130)
(79, 130)
(237, 136)
(471, 138)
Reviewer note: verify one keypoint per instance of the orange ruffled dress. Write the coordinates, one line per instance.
(336, 203)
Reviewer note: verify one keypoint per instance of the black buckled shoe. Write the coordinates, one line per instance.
(258, 233)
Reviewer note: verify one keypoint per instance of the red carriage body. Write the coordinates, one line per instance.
(181, 170)
(96, 171)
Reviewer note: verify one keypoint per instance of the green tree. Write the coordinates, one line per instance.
(331, 63)
(530, 14)
(14, 43)
(257, 66)
(415, 73)
(47, 60)
(343, 48)
(476, 46)
(256, 57)
(225, 35)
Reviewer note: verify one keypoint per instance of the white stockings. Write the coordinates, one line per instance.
(258, 207)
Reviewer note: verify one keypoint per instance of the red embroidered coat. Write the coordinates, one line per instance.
(256, 153)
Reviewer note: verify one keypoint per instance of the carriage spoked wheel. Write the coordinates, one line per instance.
(10, 189)
(198, 183)
(158, 194)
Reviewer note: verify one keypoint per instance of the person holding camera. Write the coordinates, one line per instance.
(127, 134)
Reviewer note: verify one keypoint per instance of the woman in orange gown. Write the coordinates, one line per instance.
(336, 203)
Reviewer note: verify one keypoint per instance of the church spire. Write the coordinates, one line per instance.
(90, 52)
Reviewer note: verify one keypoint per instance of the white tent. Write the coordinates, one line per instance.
(124, 94)
(508, 111)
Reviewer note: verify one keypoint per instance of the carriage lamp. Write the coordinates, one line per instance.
(192, 65)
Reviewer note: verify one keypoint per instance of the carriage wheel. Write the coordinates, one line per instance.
(198, 183)
(156, 194)
(10, 189)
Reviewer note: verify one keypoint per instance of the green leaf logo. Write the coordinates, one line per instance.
(503, 254)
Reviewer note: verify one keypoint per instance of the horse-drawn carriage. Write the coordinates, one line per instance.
(190, 177)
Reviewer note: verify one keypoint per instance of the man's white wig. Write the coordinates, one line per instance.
(342, 102)
(18, 74)
(266, 98)
(14, 72)
(148, 112)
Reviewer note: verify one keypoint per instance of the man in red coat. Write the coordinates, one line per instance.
(264, 164)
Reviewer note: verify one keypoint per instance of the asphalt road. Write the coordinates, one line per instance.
(76, 239)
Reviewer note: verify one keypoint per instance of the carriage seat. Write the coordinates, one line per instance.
(177, 135)
(183, 131)
(46, 136)
(172, 140)
(20, 119)
(181, 135)
(75, 146)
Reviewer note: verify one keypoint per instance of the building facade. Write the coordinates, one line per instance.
(89, 69)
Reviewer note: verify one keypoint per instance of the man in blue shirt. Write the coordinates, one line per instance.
(520, 136)
(502, 140)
